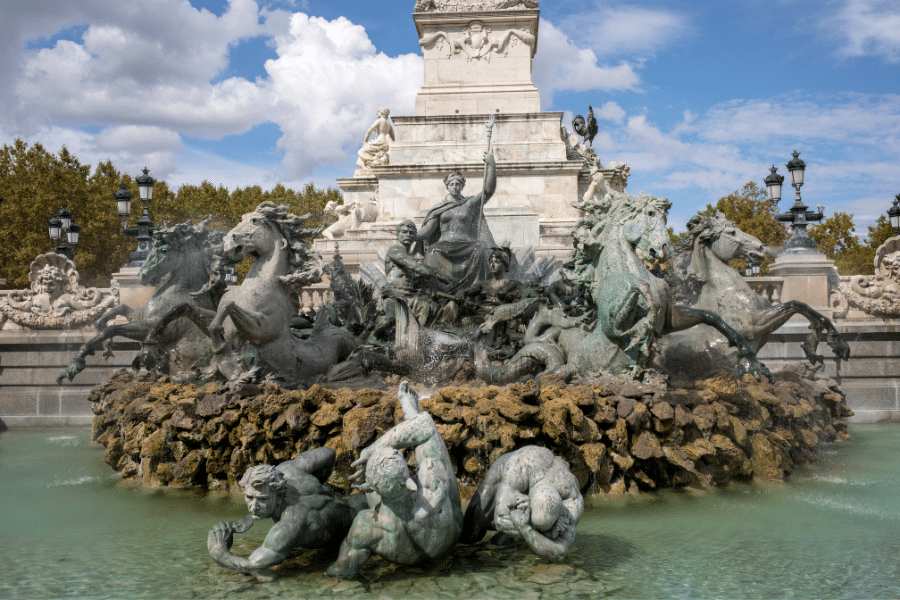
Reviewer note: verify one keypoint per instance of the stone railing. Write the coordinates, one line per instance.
(769, 287)
(315, 296)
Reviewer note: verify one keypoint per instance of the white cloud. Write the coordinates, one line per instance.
(870, 28)
(850, 142)
(128, 137)
(149, 72)
(626, 31)
(610, 112)
(196, 166)
(326, 85)
(561, 65)
(148, 66)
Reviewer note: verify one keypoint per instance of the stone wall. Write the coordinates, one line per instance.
(870, 379)
(616, 437)
(31, 360)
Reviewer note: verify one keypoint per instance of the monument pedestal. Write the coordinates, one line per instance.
(477, 65)
(477, 62)
(805, 278)
(132, 292)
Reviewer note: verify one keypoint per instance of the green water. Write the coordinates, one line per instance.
(71, 528)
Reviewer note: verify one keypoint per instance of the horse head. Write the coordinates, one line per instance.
(271, 228)
(175, 249)
(255, 236)
(718, 237)
(645, 227)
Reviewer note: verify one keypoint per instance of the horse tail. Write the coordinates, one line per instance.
(535, 356)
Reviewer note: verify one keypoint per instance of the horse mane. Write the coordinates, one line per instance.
(613, 209)
(185, 235)
(305, 262)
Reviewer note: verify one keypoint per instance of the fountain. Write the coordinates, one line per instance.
(582, 414)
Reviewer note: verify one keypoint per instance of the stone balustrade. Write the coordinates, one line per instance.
(768, 287)
(315, 296)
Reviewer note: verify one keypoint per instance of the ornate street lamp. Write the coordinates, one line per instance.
(63, 227)
(773, 184)
(145, 227)
(231, 276)
(123, 204)
(753, 267)
(894, 214)
(798, 216)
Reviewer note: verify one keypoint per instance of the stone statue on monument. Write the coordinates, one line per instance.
(350, 216)
(375, 153)
(457, 238)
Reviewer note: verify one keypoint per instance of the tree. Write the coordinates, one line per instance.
(880, 233)
(834, 235)
(861, 259)
(749, 208)
(34, 184)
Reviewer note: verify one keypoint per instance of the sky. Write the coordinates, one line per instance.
(698, 98)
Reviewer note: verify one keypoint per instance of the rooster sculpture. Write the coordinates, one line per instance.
(587, 129)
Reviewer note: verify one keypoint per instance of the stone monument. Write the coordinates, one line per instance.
(478, 60)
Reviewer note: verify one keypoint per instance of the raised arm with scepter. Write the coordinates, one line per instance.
(456, 234)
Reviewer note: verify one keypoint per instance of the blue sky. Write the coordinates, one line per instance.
(698, 98)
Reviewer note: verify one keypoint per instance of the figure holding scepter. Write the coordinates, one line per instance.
(458, 240)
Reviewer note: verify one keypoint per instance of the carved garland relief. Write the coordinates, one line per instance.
(476, 41)
(55, 299)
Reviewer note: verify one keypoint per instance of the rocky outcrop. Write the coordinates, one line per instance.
(615, 436)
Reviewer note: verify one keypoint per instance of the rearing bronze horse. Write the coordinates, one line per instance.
(260, 310)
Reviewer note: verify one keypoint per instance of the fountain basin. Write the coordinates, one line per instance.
(75, 529)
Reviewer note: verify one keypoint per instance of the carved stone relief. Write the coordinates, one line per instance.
(55, 300)
(472, 5)
(876, 295)
(476, 41)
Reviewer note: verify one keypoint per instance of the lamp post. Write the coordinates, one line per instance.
(63, 227)
(230, 275)
(753, 267)
(145, 227)
(894, 214)
(798, 216)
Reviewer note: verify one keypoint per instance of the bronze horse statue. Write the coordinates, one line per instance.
(706, 280)
(182, 258)
(613, 239)
(259, 312)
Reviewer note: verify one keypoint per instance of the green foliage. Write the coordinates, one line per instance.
(749, 208)
(836, 237)
(34, 184)
(860, 260)
(198, 202)
(880, 233)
